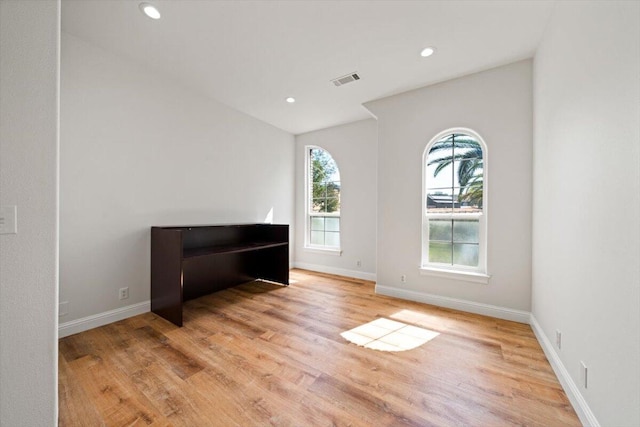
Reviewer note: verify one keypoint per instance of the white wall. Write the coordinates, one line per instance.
(29, 41)
(586, 240)
(354, 148)
(138, 150)
(498, 105)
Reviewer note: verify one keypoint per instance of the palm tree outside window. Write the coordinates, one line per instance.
(454, 208)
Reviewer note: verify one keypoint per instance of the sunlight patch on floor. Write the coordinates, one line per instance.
(388, 335)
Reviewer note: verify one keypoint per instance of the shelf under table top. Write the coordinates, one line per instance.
(235, 248)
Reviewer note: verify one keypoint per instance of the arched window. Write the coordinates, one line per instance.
(454, 219)
(323, 200)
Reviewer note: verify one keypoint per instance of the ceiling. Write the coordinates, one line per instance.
(251, 55)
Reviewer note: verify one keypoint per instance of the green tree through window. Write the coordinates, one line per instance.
(324, 200)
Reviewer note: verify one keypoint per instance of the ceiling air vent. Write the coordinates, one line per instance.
(352, 77)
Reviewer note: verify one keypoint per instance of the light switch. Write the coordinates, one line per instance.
(8, 221)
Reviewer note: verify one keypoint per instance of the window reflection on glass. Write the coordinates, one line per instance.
(332, 239)
(465, 254)
(440, 229)
(453, 241)
(317, 223)
(440, 252)
(466, 231)
(317, 237)
(332, 224)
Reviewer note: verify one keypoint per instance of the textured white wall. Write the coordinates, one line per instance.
(29, 42)
(586, 240)
(498, 105)
(138, 150)
(354, 148)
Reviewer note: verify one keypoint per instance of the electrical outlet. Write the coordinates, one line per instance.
(359, 263)
(584, 374)
(124, 293)
(403, 278)
(558, 339)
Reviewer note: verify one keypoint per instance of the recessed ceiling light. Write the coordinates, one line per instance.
(427, 51)
(290, 100)
(150, 10)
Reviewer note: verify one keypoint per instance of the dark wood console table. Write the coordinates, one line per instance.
(192, 261)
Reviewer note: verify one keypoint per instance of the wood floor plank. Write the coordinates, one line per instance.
(261, 354)
(155, 377)
(373, 410)
(74, 403)
(115, 395)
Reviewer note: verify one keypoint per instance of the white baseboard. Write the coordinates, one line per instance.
(456, 304)
(570, 387)
(334, 270)
(100, 319)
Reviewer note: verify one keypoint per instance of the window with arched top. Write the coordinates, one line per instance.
(454, 219)
(323, 200)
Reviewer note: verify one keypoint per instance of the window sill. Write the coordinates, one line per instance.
(323, 251)
(467, 276)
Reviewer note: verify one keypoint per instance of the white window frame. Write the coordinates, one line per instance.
(320, 249)
(460, 272)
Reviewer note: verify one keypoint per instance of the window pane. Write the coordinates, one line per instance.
(466, 231)
(324, 199)
(440, 200)
(317, 237)
(454, 179)
(467, 172)
(469, 199)
(465, 254)
(333, 196)
(332, 238)
(333, 189)
(440, 229)
(317, 223)
(319, 205)
(332, 205)
(323, 167)
(469, 185)
(467, 147)
(332, 224)
(440, 252)
(319, 190)
(442, 169)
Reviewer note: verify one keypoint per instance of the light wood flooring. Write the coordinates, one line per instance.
(266, 355)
